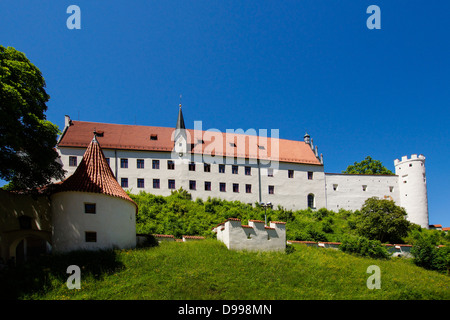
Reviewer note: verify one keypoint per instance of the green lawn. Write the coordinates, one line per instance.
(208, 270)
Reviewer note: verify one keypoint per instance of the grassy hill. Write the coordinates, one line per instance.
(208, 270)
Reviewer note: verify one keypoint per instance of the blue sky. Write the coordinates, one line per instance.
(296, 66)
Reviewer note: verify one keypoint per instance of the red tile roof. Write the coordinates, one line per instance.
(93, 174)
(132, 137)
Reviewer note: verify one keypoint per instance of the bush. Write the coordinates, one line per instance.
(364, 247)
(428, 255)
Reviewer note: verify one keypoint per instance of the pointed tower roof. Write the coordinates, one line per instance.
(180, 120)
(93, 174)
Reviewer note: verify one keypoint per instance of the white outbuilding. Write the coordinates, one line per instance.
(90, 210)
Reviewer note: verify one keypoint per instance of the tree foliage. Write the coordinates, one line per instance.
(367, 166)
(382, 220)
(27, 139)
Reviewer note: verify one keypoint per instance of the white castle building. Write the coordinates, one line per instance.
(239, 166)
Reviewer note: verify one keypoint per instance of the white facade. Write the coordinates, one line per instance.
(350, 191)
(413, 188)
(113, 223)
(254, 236)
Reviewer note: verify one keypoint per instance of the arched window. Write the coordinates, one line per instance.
(311, 201)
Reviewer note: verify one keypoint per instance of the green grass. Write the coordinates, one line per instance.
(208, 270)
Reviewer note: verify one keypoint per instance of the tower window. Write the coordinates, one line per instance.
(90, 236)
(310, 175)
(391, 188)
(364, 187)
(89, 208)
(335, 186)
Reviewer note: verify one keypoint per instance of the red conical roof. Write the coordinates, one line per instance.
(94, 175)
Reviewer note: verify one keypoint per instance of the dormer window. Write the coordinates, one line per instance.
(153, 137)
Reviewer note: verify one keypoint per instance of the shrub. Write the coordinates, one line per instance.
(364, 247)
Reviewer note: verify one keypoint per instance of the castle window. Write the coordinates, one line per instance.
(171, 184)
(124, 163)
(89, 208)
(192, 185)
(72, 161)
(248, 188)
(207, 185)
(191, 166)
(156, 184)
(25, 222)
(235, 187)
(310, 175)
(311, 201)
(124, 182)
(90, 236)
(364, 187)
(170, 165)
(290, 174)
(221, 168)
(222, 187)
(206, 167)
(248, 171)
(140, 183)
(271, 189)
(140, 163)
(234, 169)
(155, 164)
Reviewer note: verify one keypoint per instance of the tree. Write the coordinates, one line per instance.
(382, 220)
(27, 139)
(367, 166)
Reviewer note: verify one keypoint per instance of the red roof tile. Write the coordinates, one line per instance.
(93, 174)
(132, 137)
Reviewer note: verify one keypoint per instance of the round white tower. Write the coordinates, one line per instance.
(412, 186)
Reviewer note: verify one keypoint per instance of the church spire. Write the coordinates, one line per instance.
(180, 120)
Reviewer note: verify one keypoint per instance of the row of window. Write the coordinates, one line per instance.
(364, 187)
(192, 185)
(192, 167)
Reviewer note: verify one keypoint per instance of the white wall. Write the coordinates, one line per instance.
(253, 237)
(291, 193)
(114, 221)
(349, 193)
